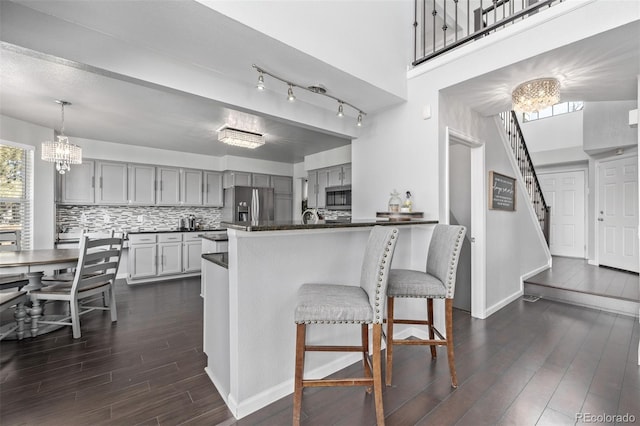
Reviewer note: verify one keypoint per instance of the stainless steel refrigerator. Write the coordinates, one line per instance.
(246, 203)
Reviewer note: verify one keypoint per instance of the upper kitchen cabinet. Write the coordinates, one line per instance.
(233, 178)
(339, 175)
(168, 187)
(142, 184)
(213, 193)
(318, 181)
(260, 181)
(111, 185)
(282, 184)
(191, 187)
(77, 186)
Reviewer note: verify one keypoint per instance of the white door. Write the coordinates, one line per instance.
(618, 213)
(564, 192)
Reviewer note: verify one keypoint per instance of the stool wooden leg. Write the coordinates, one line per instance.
(377, 373)
(432, 336)
(299, 373)
(364, 331)
(389, 369)
(449, 327)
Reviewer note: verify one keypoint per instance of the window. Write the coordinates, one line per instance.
(16, 190)
(557, 109)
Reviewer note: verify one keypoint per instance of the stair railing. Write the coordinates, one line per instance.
(528, 172)
(443, 25)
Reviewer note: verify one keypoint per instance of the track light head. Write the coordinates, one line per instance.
(340, 110)
(260, 84)
(290, 94)
(359, 122)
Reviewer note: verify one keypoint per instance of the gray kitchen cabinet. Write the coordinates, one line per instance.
(339, 175)
(170, 258)
(191, 191)
(283, 207)
(191, 256)
(77, 186)
(213, 192)
(282, 184)
(260, 180)
(162, 256)
(233, 178)
(142, 260)
(111, 183)
(168, 187)
(142, 184)
(317, 184)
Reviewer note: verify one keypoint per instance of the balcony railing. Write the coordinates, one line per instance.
(442, 25)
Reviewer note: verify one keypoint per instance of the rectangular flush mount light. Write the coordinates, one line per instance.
(240, 138)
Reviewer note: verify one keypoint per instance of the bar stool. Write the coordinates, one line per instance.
(344, 304)
(438, 282)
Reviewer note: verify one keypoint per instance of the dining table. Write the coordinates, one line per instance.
(34, 263)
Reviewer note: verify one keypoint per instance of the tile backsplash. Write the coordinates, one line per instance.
(105, 218)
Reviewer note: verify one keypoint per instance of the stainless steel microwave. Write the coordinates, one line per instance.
(338, 197)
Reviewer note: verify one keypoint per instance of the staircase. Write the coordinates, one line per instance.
(523, 160)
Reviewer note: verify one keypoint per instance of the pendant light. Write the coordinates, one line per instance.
(60, 151)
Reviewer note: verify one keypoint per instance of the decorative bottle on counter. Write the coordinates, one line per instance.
(408, 204)
(394, 202)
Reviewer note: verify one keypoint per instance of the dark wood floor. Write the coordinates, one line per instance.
(530, 363)
(577, 275)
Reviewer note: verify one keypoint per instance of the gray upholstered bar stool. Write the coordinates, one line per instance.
(345, 304)
(438, 282)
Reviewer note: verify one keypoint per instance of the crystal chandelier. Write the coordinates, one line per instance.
(535, 95)
(240, 138)
(61, 152)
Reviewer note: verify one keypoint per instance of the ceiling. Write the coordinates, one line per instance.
(98, 56)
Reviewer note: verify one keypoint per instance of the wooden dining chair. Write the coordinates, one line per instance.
(347, 304)
(95, 275)
(10, 241)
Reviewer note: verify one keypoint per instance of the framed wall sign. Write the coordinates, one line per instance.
(502, 192)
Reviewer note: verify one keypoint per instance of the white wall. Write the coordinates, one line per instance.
(557, 132)
(43, 205)
(606, 126)
(331, 157)
(379, 31)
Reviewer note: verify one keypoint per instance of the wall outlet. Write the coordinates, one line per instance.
(106, 218)
(140, 218)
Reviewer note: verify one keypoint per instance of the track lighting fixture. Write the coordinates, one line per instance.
(290, 94)
(317, 89)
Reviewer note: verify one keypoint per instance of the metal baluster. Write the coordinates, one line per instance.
(434, 13)
(444, 26)
(424, 28)
(415, 30)
(495, 11)
(468, 18)
(455, 28)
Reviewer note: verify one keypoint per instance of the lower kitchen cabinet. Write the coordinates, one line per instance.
(142, 261)
(156, 257)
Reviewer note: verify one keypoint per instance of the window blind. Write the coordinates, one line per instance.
(16, 190)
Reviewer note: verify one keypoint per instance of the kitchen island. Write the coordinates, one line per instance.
(249, 298)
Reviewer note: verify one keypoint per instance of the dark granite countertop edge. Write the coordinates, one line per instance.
(220, 259)
(332, 225)
(168, 231)
(215, 237)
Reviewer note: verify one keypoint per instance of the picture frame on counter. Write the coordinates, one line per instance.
(502, 192)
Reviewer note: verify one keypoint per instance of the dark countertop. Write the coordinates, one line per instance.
(295, 225)
(221, 259)
(164, 231)
(215, 237)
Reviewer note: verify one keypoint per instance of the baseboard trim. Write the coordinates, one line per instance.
(504, 302)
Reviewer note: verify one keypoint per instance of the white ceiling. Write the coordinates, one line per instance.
(82, 48)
